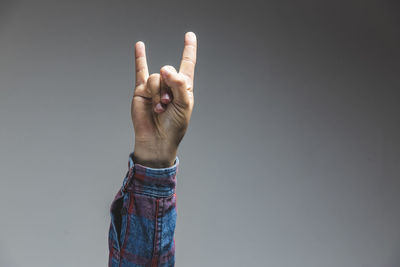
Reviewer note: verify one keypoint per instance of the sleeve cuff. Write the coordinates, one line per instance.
(155, 182)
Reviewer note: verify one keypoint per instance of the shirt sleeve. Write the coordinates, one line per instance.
(143, 218)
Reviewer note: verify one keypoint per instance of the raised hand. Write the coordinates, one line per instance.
(162, 106)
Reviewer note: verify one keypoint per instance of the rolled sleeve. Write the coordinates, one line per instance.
(153, 182)
(143, 217)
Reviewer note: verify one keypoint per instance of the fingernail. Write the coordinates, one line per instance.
(165, 99)
(191, 36)
(158, 108)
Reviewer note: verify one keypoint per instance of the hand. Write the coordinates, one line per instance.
(162, 106)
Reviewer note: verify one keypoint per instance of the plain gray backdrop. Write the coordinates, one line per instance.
(292, 157)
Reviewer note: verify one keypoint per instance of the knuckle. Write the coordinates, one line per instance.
(168, 68)
(148, 89)
(153, 76)
(153, 83)
(181, 81)
(189, 60)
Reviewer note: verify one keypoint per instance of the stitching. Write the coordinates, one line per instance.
(128, 222)
(154, 260)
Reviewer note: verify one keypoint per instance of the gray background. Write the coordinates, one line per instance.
(292, 158)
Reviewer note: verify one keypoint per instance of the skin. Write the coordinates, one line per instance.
(162, 106)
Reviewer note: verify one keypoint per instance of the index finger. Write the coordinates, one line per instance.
(189, 56)
(142, 72)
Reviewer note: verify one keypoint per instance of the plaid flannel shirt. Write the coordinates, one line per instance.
(143, 217)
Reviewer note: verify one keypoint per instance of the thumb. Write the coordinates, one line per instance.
(178, 84)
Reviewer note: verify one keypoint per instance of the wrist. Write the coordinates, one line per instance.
(152, 162)
(154, 156)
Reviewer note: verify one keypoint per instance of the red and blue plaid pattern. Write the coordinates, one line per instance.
(143, 217)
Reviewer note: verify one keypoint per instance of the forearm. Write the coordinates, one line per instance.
(143, 217)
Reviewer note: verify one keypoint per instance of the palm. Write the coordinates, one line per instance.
(149, 124)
